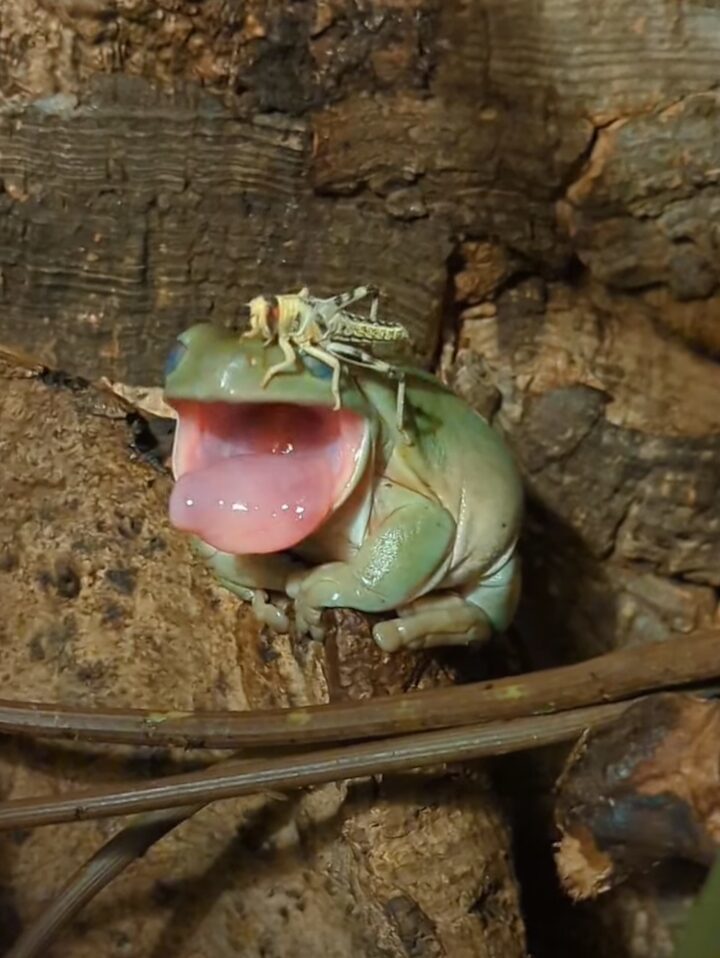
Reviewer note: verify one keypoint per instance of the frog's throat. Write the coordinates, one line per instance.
(255, 478)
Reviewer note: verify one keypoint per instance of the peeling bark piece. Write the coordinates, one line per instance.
(643, 789)
(147, 399)
(651, 184)
(485, 267)
(103, 602)
(643, 497)
(642, 213)
(541, 337)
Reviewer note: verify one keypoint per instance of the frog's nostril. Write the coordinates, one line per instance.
(174, 357)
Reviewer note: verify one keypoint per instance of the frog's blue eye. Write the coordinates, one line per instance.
(318, 369)
(174, 357)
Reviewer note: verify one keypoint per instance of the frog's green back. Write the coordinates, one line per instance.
(446, 431)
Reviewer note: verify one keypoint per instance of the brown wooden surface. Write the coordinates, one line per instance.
(337, 141)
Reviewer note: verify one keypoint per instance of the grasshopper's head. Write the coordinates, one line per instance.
(263, 315)
(259, 468)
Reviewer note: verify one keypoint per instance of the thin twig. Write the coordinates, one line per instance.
(135, 840)
(107, 864)
(310, 768)
(607, 678)
(90, 879)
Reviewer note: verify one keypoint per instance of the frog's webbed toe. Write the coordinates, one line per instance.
(431, 622)
(308, 621)
(268, 613)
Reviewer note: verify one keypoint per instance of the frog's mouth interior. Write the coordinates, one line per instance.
(260, 477)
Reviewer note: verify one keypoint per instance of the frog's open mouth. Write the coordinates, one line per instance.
(261, 477)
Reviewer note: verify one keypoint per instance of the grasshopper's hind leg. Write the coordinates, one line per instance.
(329, 308)
(358, 356)
(374, 293)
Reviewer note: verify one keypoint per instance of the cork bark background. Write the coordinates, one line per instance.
(534, 186)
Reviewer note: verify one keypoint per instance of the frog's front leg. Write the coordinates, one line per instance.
(392, 566)
(251, 577)
(452, 619)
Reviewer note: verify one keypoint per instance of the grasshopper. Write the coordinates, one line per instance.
(325, 330)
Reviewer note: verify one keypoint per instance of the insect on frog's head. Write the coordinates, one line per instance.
(259, 468)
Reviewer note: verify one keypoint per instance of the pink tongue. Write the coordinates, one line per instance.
(255, 503)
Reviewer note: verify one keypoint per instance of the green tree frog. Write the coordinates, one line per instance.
(334, 507)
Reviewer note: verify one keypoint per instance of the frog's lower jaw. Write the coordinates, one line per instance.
(258, 478)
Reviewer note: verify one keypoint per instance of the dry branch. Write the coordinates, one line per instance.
(294, 772)
(607, 678)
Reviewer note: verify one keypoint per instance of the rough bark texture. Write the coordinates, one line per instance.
(640, 800)
(542, 177)
(103, 602)
(642, 790)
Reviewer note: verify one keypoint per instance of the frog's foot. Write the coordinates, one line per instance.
(267, 613)
(431, 622)
(308, 620)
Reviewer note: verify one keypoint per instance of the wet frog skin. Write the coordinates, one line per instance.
(335, 508)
